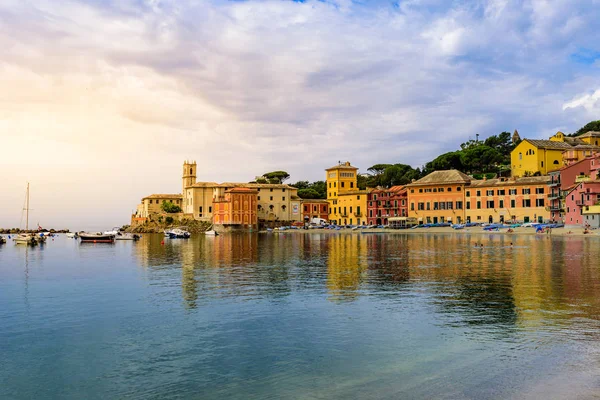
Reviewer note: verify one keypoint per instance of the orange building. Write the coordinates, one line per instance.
(315, 208)
(438, 197)
(235, 208)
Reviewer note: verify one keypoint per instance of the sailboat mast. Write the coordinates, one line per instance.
(27, 210)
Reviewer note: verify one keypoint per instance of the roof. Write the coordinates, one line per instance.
(442, 177)
(353, 192)
(255, 185)
(163, 196)
(528, 180)
(241, 190)
(585, 147)
(315, 201)
(341, 165)
(590, 134)
(549, 144)
(573, 140)
(205, 184)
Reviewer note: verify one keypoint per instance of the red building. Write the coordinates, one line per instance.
(315, 208)
(385, 203)
(235, 208)
(584, 190)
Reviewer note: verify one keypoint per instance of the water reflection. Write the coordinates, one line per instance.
(534, 282)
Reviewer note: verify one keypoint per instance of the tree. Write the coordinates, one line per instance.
(301, 185)
(451, 160)
(308, 194)
(590, 126)
(169, 207)
(276, 176)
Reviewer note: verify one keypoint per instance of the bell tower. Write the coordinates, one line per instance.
(189, 175)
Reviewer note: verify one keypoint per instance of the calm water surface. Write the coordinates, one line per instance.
(315, 316)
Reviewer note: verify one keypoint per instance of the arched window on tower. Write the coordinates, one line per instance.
(191, 173)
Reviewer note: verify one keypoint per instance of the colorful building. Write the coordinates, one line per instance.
(453, 197)
(235, 208)
(386, 203)
(507, 200)
(584, 196)
(438, 197)
(152, 204)
(347, 204)
(314, 208)
(537, 157)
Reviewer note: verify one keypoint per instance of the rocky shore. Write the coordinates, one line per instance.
(190, 225)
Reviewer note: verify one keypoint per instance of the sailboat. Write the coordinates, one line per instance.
(26, 238)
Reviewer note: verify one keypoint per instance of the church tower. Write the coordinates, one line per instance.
(189, 175)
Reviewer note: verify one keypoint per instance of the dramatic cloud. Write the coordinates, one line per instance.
(101, 101)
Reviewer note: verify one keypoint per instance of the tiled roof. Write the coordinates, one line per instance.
(549, 144)
(442, 177)
(256, 185)
(345, 165)
(163, 196)
(205, 184)
(590, 134)
(528, 180)
(241, 190)
(585, 147)
(573, 140)
(314, 201)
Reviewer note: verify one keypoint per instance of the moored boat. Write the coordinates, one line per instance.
(177, 233)
(126, 236)
(96, 238)
(211, 233)
(25, 238)
(73, 235)
(2, 240)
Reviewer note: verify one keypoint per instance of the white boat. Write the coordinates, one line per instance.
(114, 231)
(26, 238)
(211, 233)
(72, 235)
(126, 236)
(2, 239)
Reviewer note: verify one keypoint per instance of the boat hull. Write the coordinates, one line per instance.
(91, 238)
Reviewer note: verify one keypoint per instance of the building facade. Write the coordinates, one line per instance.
(152, 204)
(347, 204)
(235, 209)
(314, 208)
(383, 204)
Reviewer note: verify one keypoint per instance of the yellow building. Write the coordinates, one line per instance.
(347, 204)
(152, 204)
(537, 156)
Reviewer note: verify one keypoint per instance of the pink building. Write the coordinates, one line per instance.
(582, 195)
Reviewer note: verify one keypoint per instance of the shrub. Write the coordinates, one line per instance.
(169, 220)
(169, 207)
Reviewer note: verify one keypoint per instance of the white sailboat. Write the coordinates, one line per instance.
(26, 238)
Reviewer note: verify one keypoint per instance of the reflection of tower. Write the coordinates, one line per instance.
(189, 175)
(346, 263)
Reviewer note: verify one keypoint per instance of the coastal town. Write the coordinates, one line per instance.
(553, 181)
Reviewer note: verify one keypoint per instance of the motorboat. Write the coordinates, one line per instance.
(126, 236)
(114, 231)
(73, 235)
(96, 238)
(177, 233)
(211, 233)
(26, 239)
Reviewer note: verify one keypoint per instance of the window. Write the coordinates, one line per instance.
(350, 208)
(283, 198)
(329, 195)
(512, 192)
(420, 190)
(490, 204)
(435, 205)
(442, 205)
(271, 189)
(412, 190)
(513, 203)
(421, 206)
(209, 209)
(449, 205)
(539, 190)
(478, 205)
(458, 189)
(478, 193)
(468, 205)
(374, 197)
(329, 185)
(305, 208)
(542, 164)
(370, 213)
(358, 197)
(489, 193)
(556, 162)
(271, 198)
(428, 206)
(501, 192)
(200, 211)
(459, 205)
(468, 193)
(434, 190)
(501, 203)
(449, 189)
(412, 206)
(351, 184)
(539, 202)
(526, 203)
(440, 190)
(526, 191)
(520, 156)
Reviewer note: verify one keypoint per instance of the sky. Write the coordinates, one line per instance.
(102, 101)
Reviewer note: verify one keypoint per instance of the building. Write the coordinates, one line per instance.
(507, 200)
(275, 202)
(152, 204)
(235, 208)
(314, 208)
(347, 204)
(453, 197)
(438, 197)
(555, 197)
(386, 203)
(532, 157)
(583, 197)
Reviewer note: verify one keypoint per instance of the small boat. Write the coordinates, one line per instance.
(126, 236)
(73, 235)
(114, 231)
(96, 238)
(25, 238)
(211, 233)
(458, 226)
(2, 240)
(177, 233)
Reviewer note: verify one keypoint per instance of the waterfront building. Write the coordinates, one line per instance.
(438, 197)
(383, 204)
(347, 204)
(453, 197)
(235, 208)
(152, 204)
(555, 197)
(583, 197)
(314, 208)
(507, 200)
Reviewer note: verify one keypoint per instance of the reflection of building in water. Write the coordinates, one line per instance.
(388, 259)
(346, 264)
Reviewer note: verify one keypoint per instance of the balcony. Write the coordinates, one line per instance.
(579, 202)
(554, 197)
(358, 214)
(554, 183)
(582, 178)
(554, 208)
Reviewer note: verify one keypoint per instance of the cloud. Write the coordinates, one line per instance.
(131, 88)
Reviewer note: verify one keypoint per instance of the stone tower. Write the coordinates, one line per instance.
(516, 137)
(189, 175)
